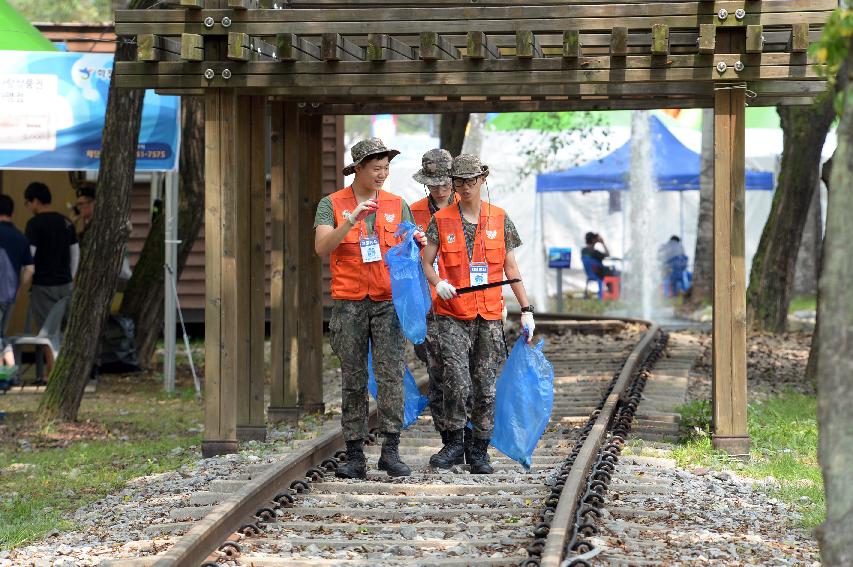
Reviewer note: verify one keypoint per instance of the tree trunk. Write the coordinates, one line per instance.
(101, 257)
(452, 131)
(703, 261)
(835, 386)
(806, 269)
(473, 142)
(143, 299)
(770, 281)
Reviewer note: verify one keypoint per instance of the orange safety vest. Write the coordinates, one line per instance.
(422, 216)
(489, 247)
(351, 278)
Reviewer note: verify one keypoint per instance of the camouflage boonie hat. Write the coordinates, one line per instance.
(365, 149)
(435, 168)
(467, 166)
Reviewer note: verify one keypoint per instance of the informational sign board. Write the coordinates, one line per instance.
(559, 257)
(52, 108)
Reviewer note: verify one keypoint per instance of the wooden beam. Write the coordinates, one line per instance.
(799, 38)
(290, 47)
(434, 47)
(480, 47)
(527, 45)
(152, 47)
(336, 47)
(243, 47)
(619, 41)
(571, 44)
(244, 4)
(192, 47)
(660, 39)
(383, 47)
(754, 39)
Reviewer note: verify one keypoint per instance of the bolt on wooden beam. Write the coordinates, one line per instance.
(435, 47)
(291, 47)
(192, 47)
(383, 47)
(336, 47)
(571, 44)
(707, 38)
(619, 41)
(527, 45)
(660, 39)
(480, 47)
(754, 38)
(799, 38)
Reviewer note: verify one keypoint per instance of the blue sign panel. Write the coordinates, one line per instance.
(53, 107)
(559, 257)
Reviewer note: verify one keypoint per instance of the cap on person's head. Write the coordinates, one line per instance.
(37, 190)
(435, 168)
(591, 237)
(87, 191)
(674, 238)
(366, 148)
(467, 166)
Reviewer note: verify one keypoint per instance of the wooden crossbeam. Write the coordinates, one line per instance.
(244, 4)
(571, 44)
(799, 38)
(754, 39)
(191, 4)
(336, 47)
(152, 47)
(527, 45)
(383, 47)
(480, 47)
(243, 47)
(619, 41)
(707, 38)
(660, 39)
(192, 47)
(291, 47)
(435, 47)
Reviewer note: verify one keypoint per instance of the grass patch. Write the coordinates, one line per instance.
(126, 430)
(784, 435)
(802, 303)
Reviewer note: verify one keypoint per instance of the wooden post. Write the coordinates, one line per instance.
(729, 346)
(284, 291)
(251, 424)
(310, 298)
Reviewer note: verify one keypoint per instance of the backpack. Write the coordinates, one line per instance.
(8, 278)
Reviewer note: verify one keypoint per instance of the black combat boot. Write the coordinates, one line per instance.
(480, 457)
(389, 460)
(445, 439)
(469, 444)
(356, 465)
(452, 452)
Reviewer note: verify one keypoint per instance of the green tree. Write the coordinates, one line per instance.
(65, 11)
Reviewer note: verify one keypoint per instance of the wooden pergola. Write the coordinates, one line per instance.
(291, 62)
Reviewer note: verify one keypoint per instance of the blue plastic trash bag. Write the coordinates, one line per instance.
(413, 402)
(524, 396)
(409, 286)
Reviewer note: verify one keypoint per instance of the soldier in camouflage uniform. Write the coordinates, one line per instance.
(356, 226)
(435, 176)
(470, 327)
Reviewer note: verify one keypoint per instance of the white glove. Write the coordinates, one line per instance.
(363, 210)
(527, 323)
(445, 290)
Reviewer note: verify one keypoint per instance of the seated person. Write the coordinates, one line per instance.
(590, 250)
(671, 249)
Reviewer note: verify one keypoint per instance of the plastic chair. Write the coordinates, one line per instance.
(49, 336)
(589, 267)
(612, 286)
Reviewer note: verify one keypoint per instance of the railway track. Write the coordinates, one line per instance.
(297, 513)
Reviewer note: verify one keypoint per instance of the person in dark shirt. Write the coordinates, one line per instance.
(53, 244)
(593, 238)
(16, 271)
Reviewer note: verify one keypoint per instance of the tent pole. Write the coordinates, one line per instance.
(170, 280)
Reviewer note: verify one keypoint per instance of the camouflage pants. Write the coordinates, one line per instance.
(429, 352)
(472, 353)
(351, 325)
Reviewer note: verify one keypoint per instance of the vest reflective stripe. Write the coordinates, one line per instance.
(489, 247)
(422, 216)
(351, 278)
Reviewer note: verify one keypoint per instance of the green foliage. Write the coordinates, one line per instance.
(67, 11)
(696, 418)
(803, 303)
(784, 436)
(831, 50)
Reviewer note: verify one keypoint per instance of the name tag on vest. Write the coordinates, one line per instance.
(370, 251)
(479, 273)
